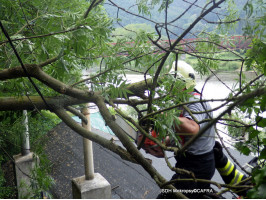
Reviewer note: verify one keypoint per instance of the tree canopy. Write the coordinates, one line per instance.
(46, 47)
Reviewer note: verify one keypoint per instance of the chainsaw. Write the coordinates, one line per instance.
(146, 144)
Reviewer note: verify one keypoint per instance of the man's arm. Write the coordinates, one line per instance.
(187, 126)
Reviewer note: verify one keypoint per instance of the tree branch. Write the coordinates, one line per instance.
(35, 102)
(77, 113)
(17, 72)
(61, 113)
(131, 148)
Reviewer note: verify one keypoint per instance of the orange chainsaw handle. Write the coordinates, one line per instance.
(150, 146)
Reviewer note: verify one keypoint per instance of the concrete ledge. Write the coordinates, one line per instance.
(97, 188)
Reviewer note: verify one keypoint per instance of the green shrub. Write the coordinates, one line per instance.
(5, 192)
(11, 128)
(232, 66)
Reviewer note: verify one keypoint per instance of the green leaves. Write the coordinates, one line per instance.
(58, 27)
(165, 125)
(263, 153)
(253, 134)
(261, 122)
(118, 89)
(249, 9)
(144, 6)
(259, 180)
(245, 150)
(256, 56)
(255, 22)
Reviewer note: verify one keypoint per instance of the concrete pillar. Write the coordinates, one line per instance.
(96, 188)
(25, 147)
(23, 168)
(91, 185)
(87, 147)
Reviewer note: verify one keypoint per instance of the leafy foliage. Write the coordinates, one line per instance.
(60, 44)
(10, 140)
(254, 108)
(259, 177)
(54, 18)
(5, 192)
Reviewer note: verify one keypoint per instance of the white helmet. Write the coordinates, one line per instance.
(185, 72)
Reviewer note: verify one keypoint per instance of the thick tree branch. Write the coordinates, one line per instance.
(17, 72)
(35, 102)
(94, 3)
(36, 72)
(131, 148)
(61, 113)
(77, 113)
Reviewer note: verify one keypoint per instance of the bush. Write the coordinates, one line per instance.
(6, 192)
(232, 66)
(10, 142)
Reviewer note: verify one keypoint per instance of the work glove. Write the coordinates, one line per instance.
(220, 158)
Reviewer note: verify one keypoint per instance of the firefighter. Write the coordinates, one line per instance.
(205, 154)
(199, 157)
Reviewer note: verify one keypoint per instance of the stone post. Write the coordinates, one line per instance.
(23, 167)
(91, 185)
(25, 163)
